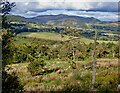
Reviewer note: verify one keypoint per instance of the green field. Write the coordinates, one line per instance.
(57, 37)
(87, 41)
(45, 35)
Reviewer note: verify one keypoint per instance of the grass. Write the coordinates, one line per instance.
(87, 41)
(55, 81)
(57, 37)
(51, 79)
(33, 25)
(45, 35)
(102, 41)
(19, 40)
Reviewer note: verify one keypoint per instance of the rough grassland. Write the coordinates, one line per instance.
(45, 35)
(57, 37)
(65, 75)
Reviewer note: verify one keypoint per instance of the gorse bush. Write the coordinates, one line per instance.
(48, 51)
(36, 67)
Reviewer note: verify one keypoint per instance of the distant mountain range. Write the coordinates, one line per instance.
(58, 20)
(62, 17)
(67, 21)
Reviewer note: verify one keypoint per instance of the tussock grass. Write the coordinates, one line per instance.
(68, 80)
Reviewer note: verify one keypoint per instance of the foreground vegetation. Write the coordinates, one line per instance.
(45, 61)
(62, 77)
(55, 61)
(50, 65)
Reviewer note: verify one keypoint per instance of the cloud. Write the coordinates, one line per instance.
(40, 6)
(64, 0)
(105, 6)
(103, 16)
(102, 10)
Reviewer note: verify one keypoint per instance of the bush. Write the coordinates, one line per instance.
(36, 67)
(107, 83)
(10, 83)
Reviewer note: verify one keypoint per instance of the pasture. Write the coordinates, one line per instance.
(45, 35)
(58, 37)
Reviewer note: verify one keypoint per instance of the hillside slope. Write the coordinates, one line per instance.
(46, 18)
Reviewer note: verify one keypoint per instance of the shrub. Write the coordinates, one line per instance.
(107, 83)
(10, 83)
(36, 67)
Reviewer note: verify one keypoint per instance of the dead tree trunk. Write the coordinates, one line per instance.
(94, 61)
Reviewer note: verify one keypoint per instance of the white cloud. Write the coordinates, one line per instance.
(103, 9)
(106, 6)
(64, 0)
(103, 16)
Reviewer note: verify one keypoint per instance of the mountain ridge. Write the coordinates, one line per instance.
(46, 18)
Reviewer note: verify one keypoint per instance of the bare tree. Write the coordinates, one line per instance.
(94, 61)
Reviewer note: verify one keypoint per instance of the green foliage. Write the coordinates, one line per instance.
(10, 83)
(36, 67)
(6, 8)
(7, 47)
(107, 83)
(6, 33)
(67, 51)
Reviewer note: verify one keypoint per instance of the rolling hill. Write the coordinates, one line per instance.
(47, 18)
(67, 21)
(42, 19)
(58, 20)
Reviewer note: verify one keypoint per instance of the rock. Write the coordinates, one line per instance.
(59, 71)
(74, 65)
(118, 88)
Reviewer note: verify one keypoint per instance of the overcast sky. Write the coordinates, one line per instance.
(105, 11)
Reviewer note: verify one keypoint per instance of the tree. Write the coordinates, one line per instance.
(94, 61)
(10, 83)
(7, 34)
(6, 8)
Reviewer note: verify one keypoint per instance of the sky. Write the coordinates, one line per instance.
(104, 10)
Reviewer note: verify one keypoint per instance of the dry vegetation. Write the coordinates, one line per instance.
(65, 76)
